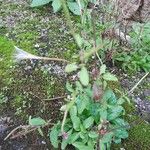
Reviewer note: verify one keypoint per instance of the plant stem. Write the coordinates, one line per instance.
(63, 122)
(55, 98)
(93, 19)
(92, 51)
(68, 20)
(135, 86)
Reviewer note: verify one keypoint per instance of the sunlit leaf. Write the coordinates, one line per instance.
(93, 134)
(115, 112)
(56, 5)
(109, 77)
(40, 131)
(69, 87)
(36, 121)
(74, 137)
(54, 136)
(81, 146)
(71, 67)
(36, 3)
(78, 39)
(74, 8)
(121, 133)
(88, 122)
(102, 69)
(107, 137)
(84, 76)
(75, 120)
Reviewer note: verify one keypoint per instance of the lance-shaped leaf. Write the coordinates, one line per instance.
(84, 76)
(109, 77)
(71, 67)
(36, 3)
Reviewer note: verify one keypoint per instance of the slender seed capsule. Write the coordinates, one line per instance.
(97, 92)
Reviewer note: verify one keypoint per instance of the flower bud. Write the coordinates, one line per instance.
(65, 135)
(97, 92)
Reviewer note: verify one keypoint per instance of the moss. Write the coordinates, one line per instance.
(139, 133)
(3, 30)
(26, 41)
(72, 49)
(6, 52)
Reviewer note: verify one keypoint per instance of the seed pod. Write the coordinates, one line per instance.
(95, 73)
(97, 92)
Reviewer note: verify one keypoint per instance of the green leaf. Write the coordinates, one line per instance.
(127, 99)
(71, 67)
(76, 123)
(110, 97)
(93, 134)
(121, 133)
(102, 69)
(107, 95)
(56, 5)
(73, 111)
(36, 121)
(109, 77)
(114, 112)
(107, 137)
(91, 143)
(84, 76)
(79, 86)
(82, 129)
(74, 7)
(69, 87)
(88, 122)
(112, 100)
(81, 103)
(54, 136)
(103, 114)
(117, 141)
(81, 146)
(78, 39)
(121, 122)
(36, 3)
(75, 120)
(74, 137)
(63, 108)
(40, 131)
(102, 145)
(120, 101)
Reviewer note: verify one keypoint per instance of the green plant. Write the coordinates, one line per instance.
(138, 58)
(74, 6)
(93, 115)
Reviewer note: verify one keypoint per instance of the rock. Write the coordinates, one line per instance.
(146, 92)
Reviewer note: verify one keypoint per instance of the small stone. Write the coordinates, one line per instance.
(36, 45)
(146, 92)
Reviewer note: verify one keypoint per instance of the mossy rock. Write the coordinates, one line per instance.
(139, 133)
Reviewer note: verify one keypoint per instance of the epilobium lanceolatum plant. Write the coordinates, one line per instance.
(93, 113)
(92, 116)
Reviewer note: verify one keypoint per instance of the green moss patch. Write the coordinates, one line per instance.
(6, 52)
(139, 133)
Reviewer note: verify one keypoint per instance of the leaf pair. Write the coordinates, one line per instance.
(83, 73)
